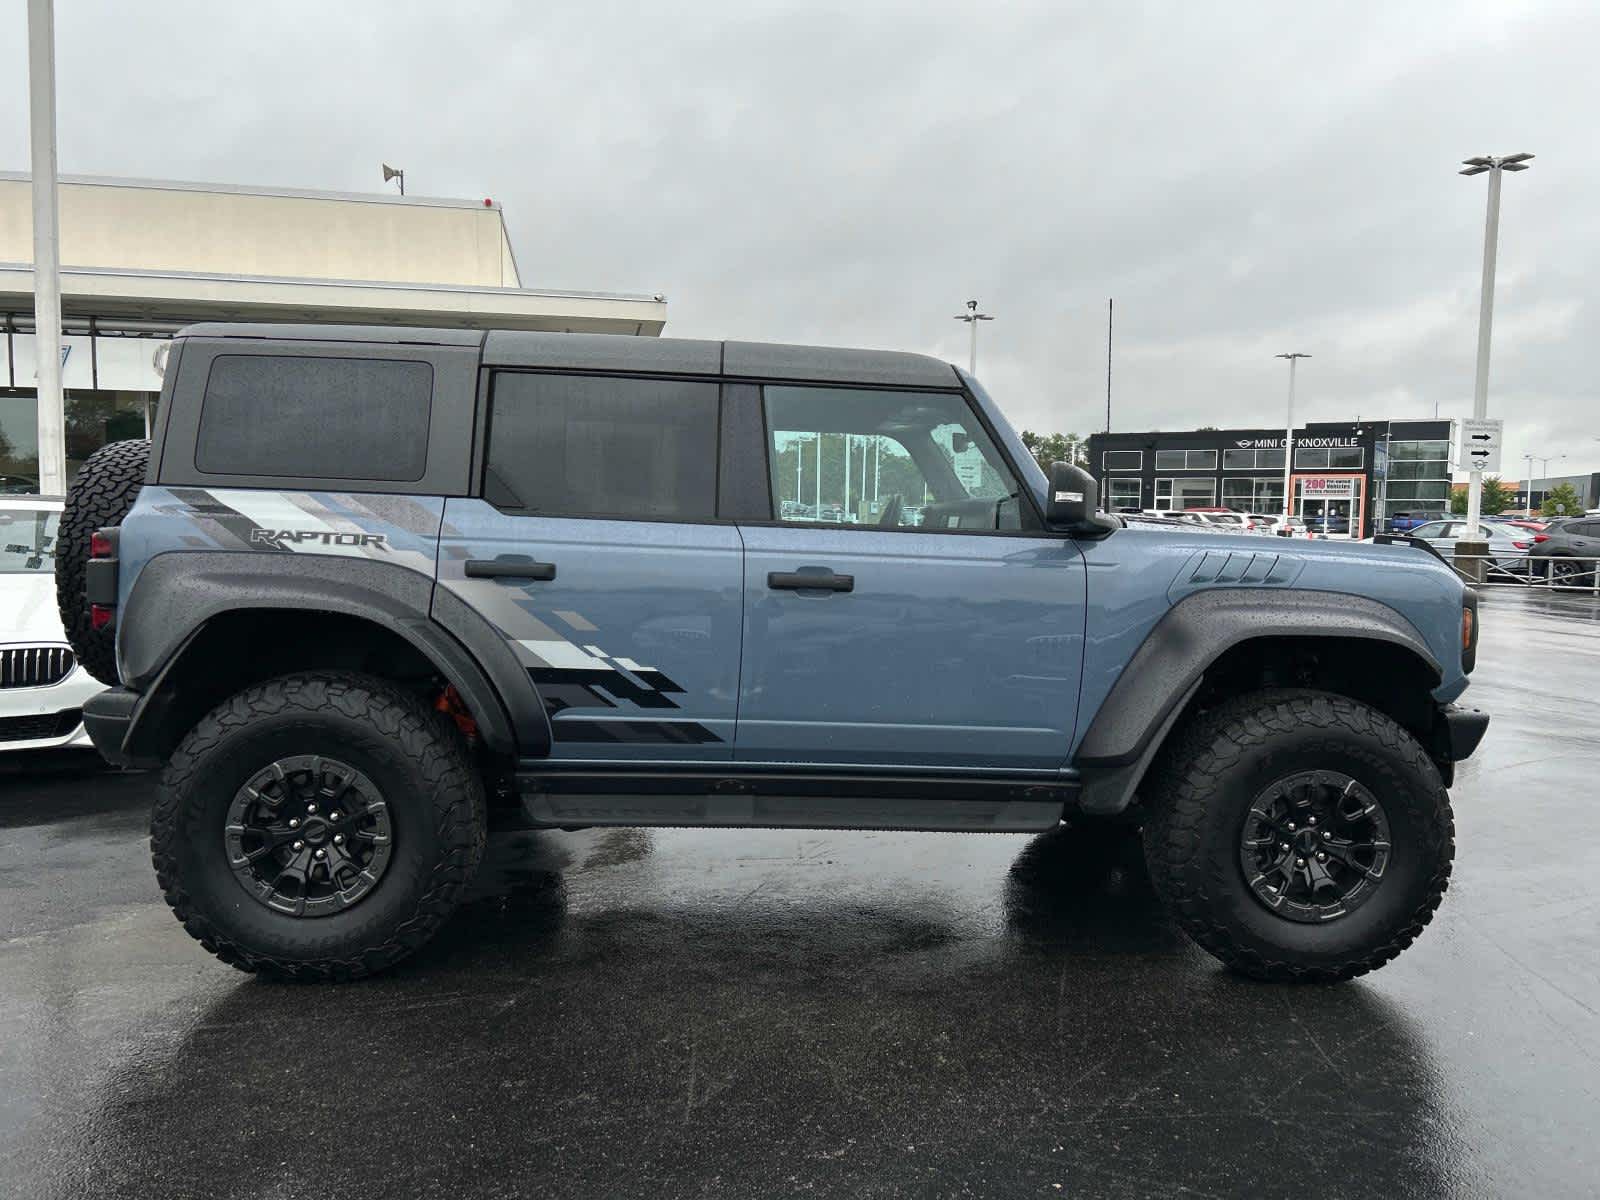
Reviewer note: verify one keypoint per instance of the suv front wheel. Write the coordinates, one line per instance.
(318, 826)
(1299, 835)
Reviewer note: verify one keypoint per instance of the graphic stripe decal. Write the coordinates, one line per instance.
(658, 732)
(569, 675)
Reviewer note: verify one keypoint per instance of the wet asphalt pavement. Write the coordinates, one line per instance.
(665, 1013)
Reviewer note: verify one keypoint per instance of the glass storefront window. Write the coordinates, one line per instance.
(19, 443)
(1337, 458)
(1252, 460)
(1253, 495)
(1413, 449)
(1186, 493)
(1121, 493)
(1186, 460)
(92, 420)
(1429, 489)
(1422, 468)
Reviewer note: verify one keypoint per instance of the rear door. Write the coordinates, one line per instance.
(925, 619)
(597, 553)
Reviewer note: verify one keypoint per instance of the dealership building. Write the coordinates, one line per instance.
(1349, 478)
(142, 258)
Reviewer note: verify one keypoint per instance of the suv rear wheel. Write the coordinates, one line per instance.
(317, 826)
(1299, 835)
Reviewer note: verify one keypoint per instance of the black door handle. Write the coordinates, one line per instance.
(509, 568)
(800, 581)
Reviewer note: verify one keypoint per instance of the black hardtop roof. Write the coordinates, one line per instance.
(622, 352)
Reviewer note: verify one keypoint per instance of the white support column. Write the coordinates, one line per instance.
(46, 246)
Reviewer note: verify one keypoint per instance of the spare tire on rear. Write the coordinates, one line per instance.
(106, 486)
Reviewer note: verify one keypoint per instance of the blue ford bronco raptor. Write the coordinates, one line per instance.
(367, 587)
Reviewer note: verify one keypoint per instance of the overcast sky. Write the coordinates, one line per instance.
(1243, 178)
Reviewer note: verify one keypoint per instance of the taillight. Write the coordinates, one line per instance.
(1540, 537)
(1466, 629)
(1521, 545)
(101, 615)
(100, 545)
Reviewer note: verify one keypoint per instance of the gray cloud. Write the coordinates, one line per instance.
(1243, 178)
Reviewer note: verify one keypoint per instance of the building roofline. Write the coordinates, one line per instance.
(374, 284)
(250, 189)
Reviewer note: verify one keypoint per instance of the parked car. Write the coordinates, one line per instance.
(1405, 522)
(42, 687)
(1227, 518)
(338, 649)
(1508, 546)
(1564, 551)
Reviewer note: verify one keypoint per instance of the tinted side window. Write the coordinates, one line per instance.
(886, 460)
(593, 446)
(315, 418)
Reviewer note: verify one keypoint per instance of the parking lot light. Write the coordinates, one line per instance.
(972, 316)
(1495, 165)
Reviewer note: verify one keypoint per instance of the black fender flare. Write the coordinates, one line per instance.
(179, 592)
(1170, 664)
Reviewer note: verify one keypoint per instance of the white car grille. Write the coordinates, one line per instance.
(34, 666)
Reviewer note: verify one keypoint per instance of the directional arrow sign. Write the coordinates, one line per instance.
(1480, 445)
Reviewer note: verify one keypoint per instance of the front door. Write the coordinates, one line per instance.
(904, 608)
(596, 553)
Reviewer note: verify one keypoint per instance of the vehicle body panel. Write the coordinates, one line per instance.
(1135, 575)
(633, 645)
(950, 649)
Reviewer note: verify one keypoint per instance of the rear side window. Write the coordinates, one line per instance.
(315, 418)
(595, 446)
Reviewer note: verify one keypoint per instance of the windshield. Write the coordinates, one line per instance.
(27, 540)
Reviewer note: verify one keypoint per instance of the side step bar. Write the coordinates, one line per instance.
(798, 800)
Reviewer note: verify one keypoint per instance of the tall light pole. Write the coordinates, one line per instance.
(972, 316)
(46, 246)
(1495, 165)
(1546, 459)
(1288, 436)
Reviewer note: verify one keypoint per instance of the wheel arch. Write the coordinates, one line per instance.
(200, 626)
(1224, 642)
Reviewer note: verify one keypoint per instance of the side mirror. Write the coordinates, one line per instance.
(1072, 501)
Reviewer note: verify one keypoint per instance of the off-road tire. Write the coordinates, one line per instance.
(107, 485)
(1199, 795)
(416, 758)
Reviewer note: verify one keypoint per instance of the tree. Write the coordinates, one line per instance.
(1056, 447)
(1562, 501)
(1496, 498)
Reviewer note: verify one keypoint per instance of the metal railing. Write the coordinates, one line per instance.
(1563, 572)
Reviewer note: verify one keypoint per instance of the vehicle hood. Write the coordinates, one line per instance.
(28, 608)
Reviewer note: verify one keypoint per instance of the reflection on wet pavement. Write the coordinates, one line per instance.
(758, 1013)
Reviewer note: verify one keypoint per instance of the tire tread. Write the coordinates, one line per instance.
(1188, 774)
(440, 758)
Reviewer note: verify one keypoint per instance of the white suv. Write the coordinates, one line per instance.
(42, 687)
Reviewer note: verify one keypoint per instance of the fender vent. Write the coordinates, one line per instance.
(1237, 568)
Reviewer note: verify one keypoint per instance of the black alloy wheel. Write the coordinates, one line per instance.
(308, 836)
(1314, 846)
